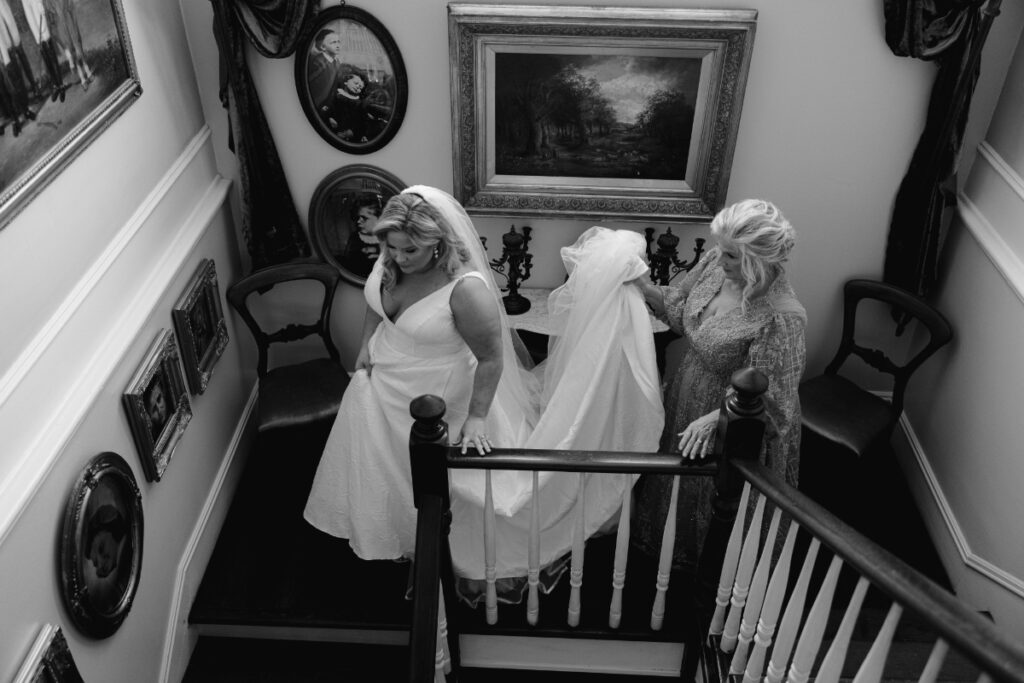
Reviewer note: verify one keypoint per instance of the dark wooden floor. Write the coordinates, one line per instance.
(272, 570)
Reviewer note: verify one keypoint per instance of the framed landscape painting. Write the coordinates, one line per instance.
(66, 72)
(584, 112)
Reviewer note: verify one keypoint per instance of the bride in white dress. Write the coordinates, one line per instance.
(435, 325)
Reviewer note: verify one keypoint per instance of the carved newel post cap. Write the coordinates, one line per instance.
(512, 239)
(749, 384)
(427, 408)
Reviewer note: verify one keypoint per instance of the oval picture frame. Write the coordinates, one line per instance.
(101, 545)
(351, 80)
(345, 204)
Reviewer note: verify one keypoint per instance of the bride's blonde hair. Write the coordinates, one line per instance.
(413, 216)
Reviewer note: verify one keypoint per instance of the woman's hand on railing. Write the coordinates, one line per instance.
(474, 434)
(696, 440)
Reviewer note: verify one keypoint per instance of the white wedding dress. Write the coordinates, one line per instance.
(600, 391)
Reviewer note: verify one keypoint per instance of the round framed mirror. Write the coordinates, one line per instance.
(344, 209)
(101, 545)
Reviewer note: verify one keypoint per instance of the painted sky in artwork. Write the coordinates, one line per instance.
(628, 81)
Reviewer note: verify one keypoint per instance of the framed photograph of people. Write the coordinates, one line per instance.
(342, 214)
(101, 545)
(66, 72)
(596, 112)
(157, 405)
(49, 660)
(200, 325)
(351, 80)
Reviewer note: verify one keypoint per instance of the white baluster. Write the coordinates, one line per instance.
(811, 633)
(621, 554)
(668, 540)
(442, 632)
(533, 571)
(934, 663)
(732, 557)
(874, 663)
(832, 664)
(790, 624)
(774, 595)
(755, 599)
(744, 570)
(490, 556)
(439, 653)
(576, 566)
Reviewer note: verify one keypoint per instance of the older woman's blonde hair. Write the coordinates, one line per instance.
(414, 217)
(762, 236)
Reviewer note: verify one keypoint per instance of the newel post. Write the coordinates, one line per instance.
(428, 443)
(740, 436)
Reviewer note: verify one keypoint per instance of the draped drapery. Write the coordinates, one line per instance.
(951, 33)
(270, 223)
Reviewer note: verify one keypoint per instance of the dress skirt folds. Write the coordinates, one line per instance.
(599, 390)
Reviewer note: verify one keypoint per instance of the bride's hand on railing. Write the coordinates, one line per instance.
(474, 434)
(696, 440)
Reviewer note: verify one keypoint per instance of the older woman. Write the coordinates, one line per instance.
(735, 309)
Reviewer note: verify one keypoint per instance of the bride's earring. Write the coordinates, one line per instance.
(435, 253)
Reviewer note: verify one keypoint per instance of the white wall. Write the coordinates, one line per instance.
(829, 122)
(964, 407)
(91, 270)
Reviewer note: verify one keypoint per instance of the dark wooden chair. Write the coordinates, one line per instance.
(841, 412)
(303, 392)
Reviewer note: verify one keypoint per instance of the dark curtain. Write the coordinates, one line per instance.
(270, 223)
(951, 33)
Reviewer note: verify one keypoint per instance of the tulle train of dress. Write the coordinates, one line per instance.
(600, 391)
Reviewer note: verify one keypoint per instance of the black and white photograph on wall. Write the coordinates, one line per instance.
(200, 325)
(342, 214)
(157, 405)
(351, 80)
(49, 660)
(66, 72)
(101, 545)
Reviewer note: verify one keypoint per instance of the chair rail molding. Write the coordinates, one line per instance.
(989, 570)
(991, 206)
(49, 389)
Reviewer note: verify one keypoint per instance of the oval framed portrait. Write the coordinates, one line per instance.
(342, 214)
(101, 545)
(351, 80)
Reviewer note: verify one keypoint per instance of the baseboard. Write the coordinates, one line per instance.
(975, 580)
(179, 642)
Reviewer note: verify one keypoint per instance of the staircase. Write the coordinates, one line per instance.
(280, 601)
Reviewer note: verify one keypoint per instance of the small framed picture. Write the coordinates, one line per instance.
(351, 80)
(49, 660)
(342, 214)
(157, 405)
(199, 322)
(101, 545)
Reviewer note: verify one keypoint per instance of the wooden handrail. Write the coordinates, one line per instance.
(605, 462)
(973, 635)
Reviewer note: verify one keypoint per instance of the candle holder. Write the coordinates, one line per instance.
(515, 264)
(664, 261)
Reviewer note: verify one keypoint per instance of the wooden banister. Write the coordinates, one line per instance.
(976, 637)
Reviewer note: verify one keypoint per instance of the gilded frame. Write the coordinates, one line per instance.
(49, 659)
(644, 169)
(157, 431)
(101, 545)
(200, 325)
(66, 117)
